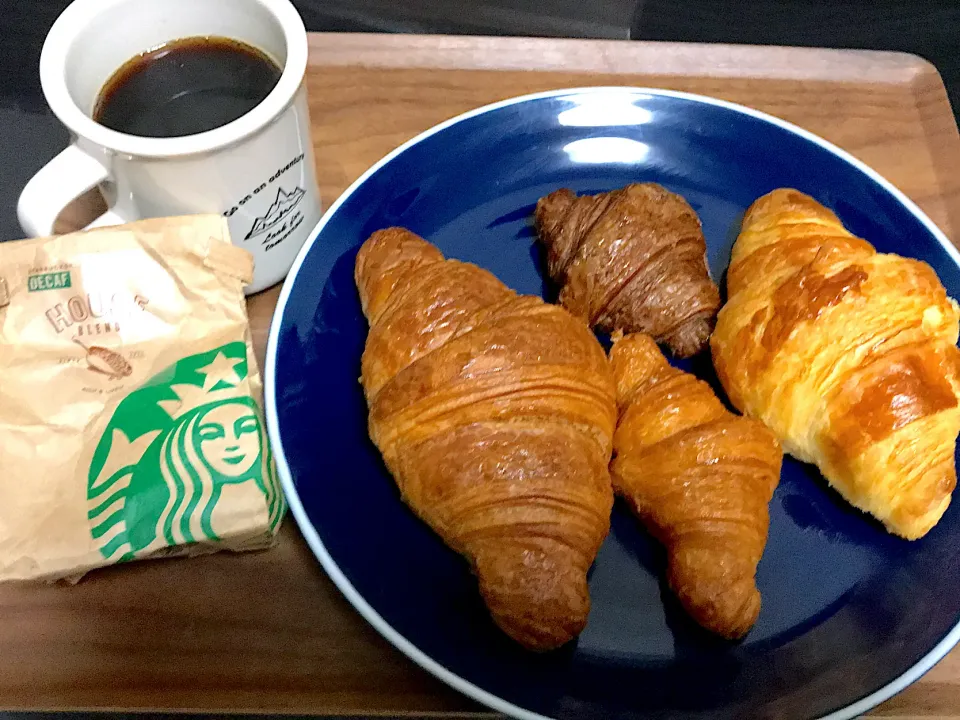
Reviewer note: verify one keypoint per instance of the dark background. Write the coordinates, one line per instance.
(29, 135)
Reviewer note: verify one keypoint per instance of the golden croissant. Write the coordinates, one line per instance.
(848, 355)
(699, 477)
(634, 260)
(495, 415)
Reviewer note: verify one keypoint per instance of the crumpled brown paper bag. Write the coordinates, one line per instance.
(129, 416)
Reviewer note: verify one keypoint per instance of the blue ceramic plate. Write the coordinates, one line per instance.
(850, 614)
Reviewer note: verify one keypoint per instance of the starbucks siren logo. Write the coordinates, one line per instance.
(171, 448)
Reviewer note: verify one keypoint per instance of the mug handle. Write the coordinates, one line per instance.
(58, 183)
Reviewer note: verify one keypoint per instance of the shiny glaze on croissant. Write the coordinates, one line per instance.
(848, 355)
(495, 414)
(699, 477)
(634, 260)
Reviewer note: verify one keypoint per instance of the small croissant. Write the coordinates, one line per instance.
(634, 260)
(699, 478)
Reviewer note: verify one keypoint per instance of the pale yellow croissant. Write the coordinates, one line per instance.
(848, 355)
(495, 414)
(700, 479)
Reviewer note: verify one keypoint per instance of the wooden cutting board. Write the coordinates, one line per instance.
(268, 631)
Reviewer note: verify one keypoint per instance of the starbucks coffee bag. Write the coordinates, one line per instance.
(130, 423)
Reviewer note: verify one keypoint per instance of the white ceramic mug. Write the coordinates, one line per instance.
(258, 170)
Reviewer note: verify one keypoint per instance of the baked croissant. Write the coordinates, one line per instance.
(495, 414)
(848, 355)
(633, 260)
(699, 477)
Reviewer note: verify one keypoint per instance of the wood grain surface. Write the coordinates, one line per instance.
(268, 631)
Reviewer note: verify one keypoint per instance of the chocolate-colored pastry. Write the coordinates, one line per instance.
(634, 260)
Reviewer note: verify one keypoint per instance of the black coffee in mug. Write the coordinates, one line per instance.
(186, 87)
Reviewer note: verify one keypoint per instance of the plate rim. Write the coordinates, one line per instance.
(330, 566)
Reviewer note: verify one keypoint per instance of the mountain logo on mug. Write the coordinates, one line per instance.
(281, 207)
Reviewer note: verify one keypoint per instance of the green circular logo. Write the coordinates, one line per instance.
(170, 450)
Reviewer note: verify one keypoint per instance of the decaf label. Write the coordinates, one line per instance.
(49, 281)
(170, 451)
